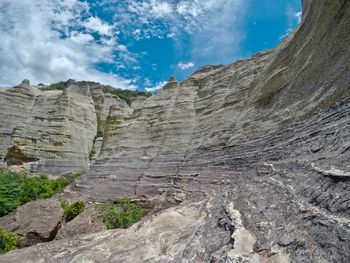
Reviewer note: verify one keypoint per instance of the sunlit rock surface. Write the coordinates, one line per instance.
(243, 163)
(53, 131)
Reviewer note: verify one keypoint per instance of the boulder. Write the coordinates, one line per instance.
(35, 222)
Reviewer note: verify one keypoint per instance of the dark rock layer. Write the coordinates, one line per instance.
(243, 163)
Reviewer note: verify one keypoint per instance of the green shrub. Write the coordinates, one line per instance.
(122, 213)
(75, 176)
(70, 211)
(92, 153)
(17, 189)
(8, 241)
(54, 86)
(127, 95)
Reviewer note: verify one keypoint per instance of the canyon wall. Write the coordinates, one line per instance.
(247, 162)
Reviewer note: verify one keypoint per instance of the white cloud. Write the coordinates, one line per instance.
(81, 37)
(298, 16)
(154, 88)
(213, 26)
(293, 16)
(148, 82)
(293, 19)
(160, 9)
(217, 29)
(185, 66)
(51, 40)
(155, 8)
(170, 35)
(122, 48)
(95, 24)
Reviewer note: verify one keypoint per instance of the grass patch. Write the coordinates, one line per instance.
(8, 241)
(70, 211)
(122, 213)
(17, 189)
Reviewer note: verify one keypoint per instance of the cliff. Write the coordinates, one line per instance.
(52, 131)
(240, 163)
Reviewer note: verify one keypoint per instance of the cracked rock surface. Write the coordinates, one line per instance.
(34, 222)
(247, 162)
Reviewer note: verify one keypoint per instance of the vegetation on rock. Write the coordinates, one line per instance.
(74, 176)
(127, 95)
(17, 189)
(8, 241)
(122, 213)
(54, 86)
(70, 211)
(92, 153)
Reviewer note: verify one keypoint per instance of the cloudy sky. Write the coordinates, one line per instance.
(132, 43)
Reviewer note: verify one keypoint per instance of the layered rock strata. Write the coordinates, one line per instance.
(244, 163)
(53, 131)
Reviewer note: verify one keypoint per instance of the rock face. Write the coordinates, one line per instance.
(251, 160)
(53, 130)
(103, 102)
(34, 222)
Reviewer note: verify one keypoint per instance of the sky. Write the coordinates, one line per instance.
(134, 44)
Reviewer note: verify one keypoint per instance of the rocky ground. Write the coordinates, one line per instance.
(241, 163)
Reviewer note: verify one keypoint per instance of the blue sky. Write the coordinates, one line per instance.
(131, 43)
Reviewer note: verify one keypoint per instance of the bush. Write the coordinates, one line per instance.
(127, 95)
(8, 241)
(75, 176)
(70, 211)
(92, 153)
(122, 213)
(17, 189)
(54, 86)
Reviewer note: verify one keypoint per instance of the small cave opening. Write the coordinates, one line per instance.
(15, 156)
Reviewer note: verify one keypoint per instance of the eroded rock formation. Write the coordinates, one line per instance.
(35, 222)
(53, 131)
(53, 128)
(242, 163)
